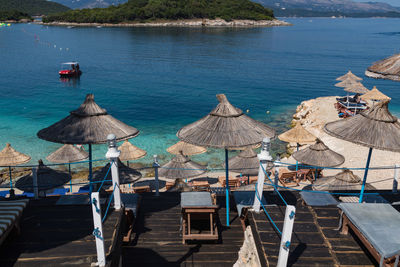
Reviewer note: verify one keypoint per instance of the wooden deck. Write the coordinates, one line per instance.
(54, 235)
(315, 240)
(158, 239)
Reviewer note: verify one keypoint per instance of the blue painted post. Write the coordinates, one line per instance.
(70, 176)
(365, 175)
(227, 187)
(90, 169)
(297, 163)
(156, 166)
(11, 185)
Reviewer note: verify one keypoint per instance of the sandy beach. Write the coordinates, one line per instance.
(315, 113)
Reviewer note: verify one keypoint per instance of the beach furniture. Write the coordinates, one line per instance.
(131, 204)
(377, 226)
(4, 193)
(10, 216)
(233, 182)
(27, 194)
(200, 186)
(288, 178)
(141, 189)
(245, 200)
(198, 207)
(58, 192)
(83, 189)
(318, 199)
(169, 185)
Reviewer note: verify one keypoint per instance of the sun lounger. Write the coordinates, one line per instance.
(200, 185)
(245, 200)
(169, 185)
(141, 189)
(84, 189)
(377, 226)
(318, 199)
(233, 182)
(198, 206)
(288, 179)
(131, 204)
(10, 215)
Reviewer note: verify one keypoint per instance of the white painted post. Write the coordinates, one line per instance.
(156, 165)
(35, 183)
(98, 229)
(286, 236)
(276, 178)
(396, 178)
(264, 156)
(113, 154)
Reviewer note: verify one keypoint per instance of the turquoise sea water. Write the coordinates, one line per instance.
(160, 79)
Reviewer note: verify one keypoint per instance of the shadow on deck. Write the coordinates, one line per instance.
(157, 237)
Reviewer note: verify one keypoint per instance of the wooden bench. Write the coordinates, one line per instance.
(201, 186)
(198, 206)
(288, 179)
(233, 182)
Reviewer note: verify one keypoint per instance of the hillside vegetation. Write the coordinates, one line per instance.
(13, 15)
(31, 7)
(145, 10)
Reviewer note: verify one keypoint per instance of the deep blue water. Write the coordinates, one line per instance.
(159, 79)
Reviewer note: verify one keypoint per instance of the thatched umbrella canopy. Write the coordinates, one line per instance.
(346, 82)
(10, 157)
(181, 167)
(186, 149)
(89, 124)
(297, 135)
(67, 154)
(388, 68)
(349, 75)
(225, 127)
(126, 175)
(247, 163)
(319, 155)
(373, 128)
(345, 180)
(357, 88)
(47, 178)
(130, 152)
(375, 94)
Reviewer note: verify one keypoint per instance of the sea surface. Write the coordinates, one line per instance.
(160, 79)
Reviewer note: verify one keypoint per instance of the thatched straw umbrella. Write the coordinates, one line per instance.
(346, 82)
(297, 135)
(10, 157)
(186, 149)
(357, 88)
(130, 152)
(388, 68)
(126, 175)
(67, 154)
(349, 75)
(89, 124)
(181, 167)
(225, 127)
(373, 128)
(47, 178)
(345, 180)
(319, 155)
(247, 163)
(375, 94)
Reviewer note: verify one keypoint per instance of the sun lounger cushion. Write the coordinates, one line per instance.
(10, 211)
(245, 199)
(318, 199)
(202, 199)
(379, 224)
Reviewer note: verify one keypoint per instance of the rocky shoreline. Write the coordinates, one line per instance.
(181, 23)
(313, 114)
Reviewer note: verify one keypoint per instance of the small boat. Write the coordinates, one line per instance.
(70, 69)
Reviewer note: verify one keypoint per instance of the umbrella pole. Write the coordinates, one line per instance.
(227, 187)
(297, 163)
(127, 163)
(70, 176)
(11, 185)
(90, 169)
(365, 175)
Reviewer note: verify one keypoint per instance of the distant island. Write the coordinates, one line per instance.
(172, 13)
(17, 10)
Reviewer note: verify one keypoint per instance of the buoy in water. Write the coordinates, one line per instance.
(247, 111)
(267, 112)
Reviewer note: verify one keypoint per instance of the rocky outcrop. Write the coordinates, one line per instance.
(183, 23)
(248, 256)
